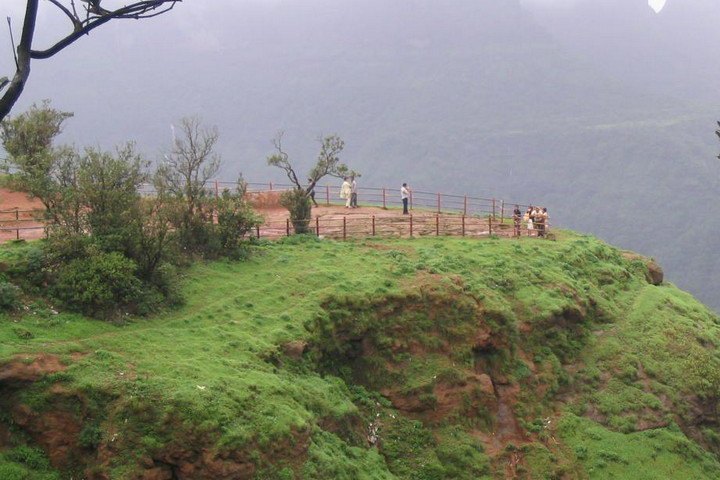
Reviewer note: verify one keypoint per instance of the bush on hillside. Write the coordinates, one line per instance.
(9, 296)
(235, 220)
(31, 272)
(100, 285)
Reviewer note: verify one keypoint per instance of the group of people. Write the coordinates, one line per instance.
(536, 219)
(348, 192)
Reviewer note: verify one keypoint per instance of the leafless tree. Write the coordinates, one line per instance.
(328, 162)
(84, 16)
(191, 163)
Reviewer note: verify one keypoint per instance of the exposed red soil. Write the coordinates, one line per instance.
(334, 220)
(56, 431)
(30, 369)
(17, 219)
(182, 462)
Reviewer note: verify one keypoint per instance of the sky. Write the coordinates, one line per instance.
(656, 5)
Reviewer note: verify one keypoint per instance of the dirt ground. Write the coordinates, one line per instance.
(18, 220)
(17, 217)
(338, 221)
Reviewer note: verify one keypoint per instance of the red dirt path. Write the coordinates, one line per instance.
(358, 222)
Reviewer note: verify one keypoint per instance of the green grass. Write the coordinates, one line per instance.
(215, 373)
(647, 455)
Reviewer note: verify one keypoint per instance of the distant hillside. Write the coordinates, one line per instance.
(604, 110)
(378, 359)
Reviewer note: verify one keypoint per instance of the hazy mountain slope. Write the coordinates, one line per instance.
(669, 53)
(482, 97)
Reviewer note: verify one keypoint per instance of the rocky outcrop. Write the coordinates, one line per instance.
(654, 273)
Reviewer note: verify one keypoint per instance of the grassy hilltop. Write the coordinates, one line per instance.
(380, 359)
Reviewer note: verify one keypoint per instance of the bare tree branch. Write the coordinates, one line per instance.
(97, 16)
(328, 162)
(281, 160)
(12, 42)
(191, 163)
(17, 84)
(93, 16)
(76, 23)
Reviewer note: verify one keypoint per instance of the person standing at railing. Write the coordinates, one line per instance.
(353, 192)
(541, 219)
(345, 192)
(528, 218)
(404, 196)
(535, 215)
(312, 192)
(517, 217)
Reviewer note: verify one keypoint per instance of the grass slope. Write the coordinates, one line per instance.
(468, 358)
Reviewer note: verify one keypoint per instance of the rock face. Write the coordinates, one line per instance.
(295, 349)
(655, 273)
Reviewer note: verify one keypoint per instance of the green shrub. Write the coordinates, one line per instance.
(100, 285)
(165, 280)
(13, 472)
(90, 436)
(235, 219)
(298, 204)
(31, 457)
(31, 271)
(9, 296)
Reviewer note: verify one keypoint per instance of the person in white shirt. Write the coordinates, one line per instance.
(345, 191)
(405, 195)
(529, 219)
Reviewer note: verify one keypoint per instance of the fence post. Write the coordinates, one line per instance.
(411, 200)
(17, 214)
(411, 226)
(344, 228)
(490, 225)
(271, 185)
(463, 225)
(384, 204)
(373, 225)
(327, 195)
(287, 227)
(437, 225)
(502, 211)
(217, 189)
(438, 203)
(257, 231)
(317, 226)
(493, 212)
(17, 233)
(465, 206)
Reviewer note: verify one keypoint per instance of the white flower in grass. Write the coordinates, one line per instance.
(201, 387)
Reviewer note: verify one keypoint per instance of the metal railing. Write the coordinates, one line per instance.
(430, 214)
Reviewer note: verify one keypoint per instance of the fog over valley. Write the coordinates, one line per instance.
(602, 111)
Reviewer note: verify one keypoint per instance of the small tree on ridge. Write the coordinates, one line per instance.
(297, 200)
